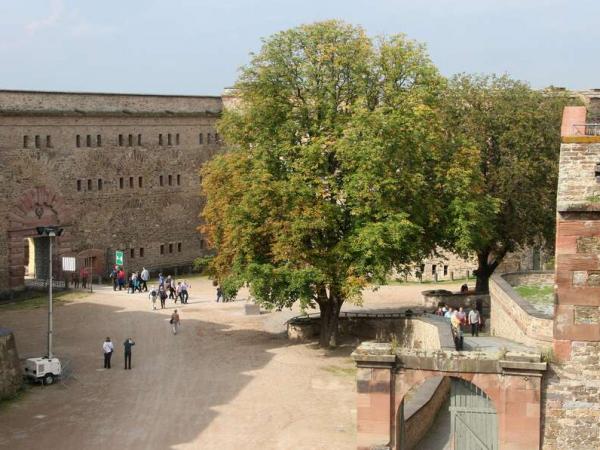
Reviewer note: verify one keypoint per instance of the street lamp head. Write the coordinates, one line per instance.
(51, 231)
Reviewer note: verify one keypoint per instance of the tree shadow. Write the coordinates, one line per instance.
(173, 392)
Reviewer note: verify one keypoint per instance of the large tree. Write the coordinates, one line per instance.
(507, 191)
(333, 172)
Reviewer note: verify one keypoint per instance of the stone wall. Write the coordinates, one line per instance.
(515, 319)
(419, 417)
(10, 367)
(432, 298)
(544, 278)
(117, 172)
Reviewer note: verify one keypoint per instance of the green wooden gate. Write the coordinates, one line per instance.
(473, 417)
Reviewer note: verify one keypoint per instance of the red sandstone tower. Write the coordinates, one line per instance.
(577, 310)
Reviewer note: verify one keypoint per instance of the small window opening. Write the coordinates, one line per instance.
(162, 249)
(170, 180)
(120, 140)
(178, 180)
(169, 141)
(98, 141)
(201, 138)
(208, 138)
(170, 248)
(177, 139)
(37, 141)
(79, 185)
(433, 269)
(121, 182)
(78, 140)
(160, 139)
(49, 141)
(88, 140)
(201, 243)
(445, 270)
(179, 247)
(160, 180)
(99, 184)
(131, 182)
(139, 139)
(89, 185)
(130, 140)
(132, 252)
(140, 182)
(141, 252)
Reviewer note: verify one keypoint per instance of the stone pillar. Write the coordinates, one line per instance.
(375, 404)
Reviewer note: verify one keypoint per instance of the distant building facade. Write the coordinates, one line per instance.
(115, 171)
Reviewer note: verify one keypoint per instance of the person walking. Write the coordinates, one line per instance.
(219, 294)
(152, 296)
(475, 321)
(127, 346)
(121, 278)
(113, 276)
(145, 276)
(162, 294)
(107, 348)
(184, 292)
(175, 322)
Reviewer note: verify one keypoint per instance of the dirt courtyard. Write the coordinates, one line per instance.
(226, 381)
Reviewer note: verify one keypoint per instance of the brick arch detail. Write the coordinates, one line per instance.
(36, 207)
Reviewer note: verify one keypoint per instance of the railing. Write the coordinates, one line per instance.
(586, 129)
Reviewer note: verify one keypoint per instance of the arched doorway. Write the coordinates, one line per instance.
(446, 412)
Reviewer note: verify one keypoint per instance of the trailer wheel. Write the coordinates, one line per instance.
(48, 379)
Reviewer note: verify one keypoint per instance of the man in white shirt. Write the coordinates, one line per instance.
(475, 321)
(108, 349)
(145, 276)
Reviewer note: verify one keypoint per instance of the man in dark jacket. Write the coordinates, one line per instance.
(128, 344)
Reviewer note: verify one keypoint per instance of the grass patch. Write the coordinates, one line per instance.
(41, 301)
(341, 371)
(539, 296)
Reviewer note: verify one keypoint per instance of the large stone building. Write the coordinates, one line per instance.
(115, 171)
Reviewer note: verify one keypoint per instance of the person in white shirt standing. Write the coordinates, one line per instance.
(475, 321)
(145, 276)
(108, 349)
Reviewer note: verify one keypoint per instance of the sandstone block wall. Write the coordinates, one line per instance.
(117, 172)
(513, 318)
(10, 367)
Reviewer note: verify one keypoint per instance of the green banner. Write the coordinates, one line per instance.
(119, 258)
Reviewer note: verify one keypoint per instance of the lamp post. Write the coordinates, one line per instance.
(51, 232)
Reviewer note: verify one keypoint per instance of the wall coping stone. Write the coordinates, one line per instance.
(515, 297)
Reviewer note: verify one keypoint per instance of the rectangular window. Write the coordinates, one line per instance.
(140, 182)
(132, 253)
(169, 142)
(162, 249)
(178, 180)
(422, 268)
(78, 141)
(170, 180)
(78, 185)
(131, 182)
(99, 184)
(49, 141)
(130, 141)
(98, 141)
(160, 139)
(433, 269)
(179, 247)
(139, 139)
(89, 185)
(177, 139)
(120, 140)
(208, 138)
(141, 252)
(201, 138)
(121, 182)
(37, 141)
(445, 270)
(25, 141)
(160, 180)
(201, 243)
(217, 138)
(88, 140)
(170, 248)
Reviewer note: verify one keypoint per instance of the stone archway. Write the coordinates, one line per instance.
(36, 207)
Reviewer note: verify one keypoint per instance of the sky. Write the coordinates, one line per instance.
(196, 47)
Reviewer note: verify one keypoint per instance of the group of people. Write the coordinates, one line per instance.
(168, 289)
(136, 281)
(108, 349)
(460, 319)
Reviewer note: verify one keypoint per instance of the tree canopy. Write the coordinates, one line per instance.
(512, 172)
(334, 171)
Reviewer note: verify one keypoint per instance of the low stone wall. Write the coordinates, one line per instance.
(545, 278)
(420, 332)
(420, 414)
(431, 299)
(10, 368)
(514, 318)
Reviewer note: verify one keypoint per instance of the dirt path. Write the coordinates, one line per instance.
(227, 381)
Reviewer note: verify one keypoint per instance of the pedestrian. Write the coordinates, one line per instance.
(145, 276)
(163, 296)
(174, 322)
(161, 280)
(127, 345)
(107, 348)
(475, 321)
(464, 289)
(170, 287)
(121, 278)
(113, 276)
(184, 292)
(178, 292)
(152, 296)
(83, 274)
(462, 316)
(219, 294)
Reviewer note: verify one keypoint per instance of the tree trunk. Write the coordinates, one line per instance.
(330, 314)
(485, 269)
